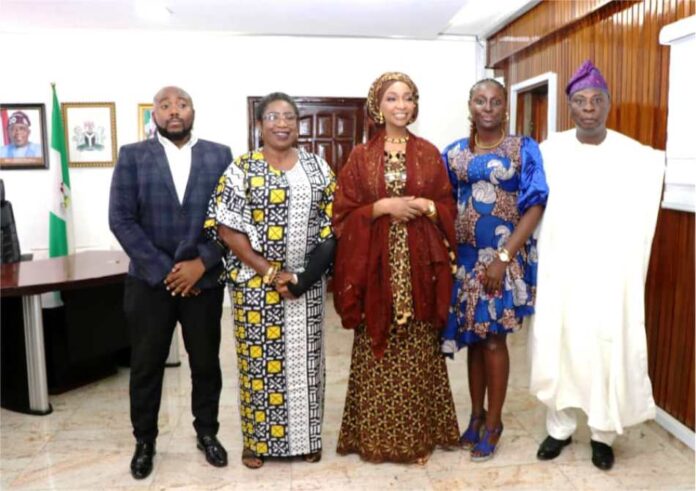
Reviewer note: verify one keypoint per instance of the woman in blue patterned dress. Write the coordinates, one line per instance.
(500, 188)
(272, 211)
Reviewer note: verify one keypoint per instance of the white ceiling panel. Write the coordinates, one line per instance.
(417, 19)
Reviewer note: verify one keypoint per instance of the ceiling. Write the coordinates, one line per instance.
(411, 19)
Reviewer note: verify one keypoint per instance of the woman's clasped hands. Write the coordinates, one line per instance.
(403, 208)
(282, 279)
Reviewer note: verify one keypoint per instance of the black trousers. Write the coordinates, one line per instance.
(152, 314)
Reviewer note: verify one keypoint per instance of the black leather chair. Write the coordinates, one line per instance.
(9, 241)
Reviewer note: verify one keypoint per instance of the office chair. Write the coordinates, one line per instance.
(9, 241)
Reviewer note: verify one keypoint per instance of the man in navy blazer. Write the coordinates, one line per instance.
(159, 197)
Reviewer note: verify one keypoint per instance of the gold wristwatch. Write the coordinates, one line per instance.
(432, 211)
(270, 275)
(504, 255)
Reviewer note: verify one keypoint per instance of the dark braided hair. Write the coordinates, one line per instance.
(472, 128)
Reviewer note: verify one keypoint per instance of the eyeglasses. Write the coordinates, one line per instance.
(273, 117)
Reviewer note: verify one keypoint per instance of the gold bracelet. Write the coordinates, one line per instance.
(270, 275)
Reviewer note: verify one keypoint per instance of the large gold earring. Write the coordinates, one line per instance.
(380, 118)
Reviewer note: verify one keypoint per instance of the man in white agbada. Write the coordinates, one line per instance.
(587, 341)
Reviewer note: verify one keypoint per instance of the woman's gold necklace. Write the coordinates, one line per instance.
(397, 141)
(488, 147)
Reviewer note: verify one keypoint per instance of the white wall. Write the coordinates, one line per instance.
(219, 71)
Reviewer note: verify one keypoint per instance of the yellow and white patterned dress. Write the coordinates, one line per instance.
(280, 355)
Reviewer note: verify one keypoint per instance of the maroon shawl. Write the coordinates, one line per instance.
(362, 291)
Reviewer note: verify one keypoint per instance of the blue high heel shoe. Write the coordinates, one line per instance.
(472, 435)
(484, 449)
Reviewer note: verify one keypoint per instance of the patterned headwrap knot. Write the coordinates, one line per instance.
(587, 76)
(376, 92)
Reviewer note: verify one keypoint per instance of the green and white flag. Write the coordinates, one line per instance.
(61, 240)
(60, 217)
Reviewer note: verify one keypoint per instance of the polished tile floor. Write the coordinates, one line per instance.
(86, 442)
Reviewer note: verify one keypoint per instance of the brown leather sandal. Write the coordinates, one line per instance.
(313, 457)
(251, 460)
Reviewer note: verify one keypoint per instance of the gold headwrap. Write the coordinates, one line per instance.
(375, 94)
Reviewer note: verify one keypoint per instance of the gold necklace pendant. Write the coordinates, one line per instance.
(397, 141)
(488, 147)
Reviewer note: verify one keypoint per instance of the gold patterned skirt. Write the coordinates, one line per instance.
(400, 407)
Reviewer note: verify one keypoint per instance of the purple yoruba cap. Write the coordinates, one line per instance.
(587, 76)
(18, 117)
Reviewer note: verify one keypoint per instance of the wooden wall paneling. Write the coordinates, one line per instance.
(685, 318)
(671, 397)
(690, 410)
(673, 365)
(660, 131)
(670, 315)
(659, 342)
(541, 21)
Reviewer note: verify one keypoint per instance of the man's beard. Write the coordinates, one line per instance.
(174, 135)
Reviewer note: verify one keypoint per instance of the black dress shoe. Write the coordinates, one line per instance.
(141, 463)
(551, 448)
(602, 455)
(215, 453)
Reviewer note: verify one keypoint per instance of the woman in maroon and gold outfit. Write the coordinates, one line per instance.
(394, 218)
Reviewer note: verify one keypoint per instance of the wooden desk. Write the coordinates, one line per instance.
(29, 279)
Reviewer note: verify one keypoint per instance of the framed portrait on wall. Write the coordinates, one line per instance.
(23, 137)
(90, 133)
(146, 126)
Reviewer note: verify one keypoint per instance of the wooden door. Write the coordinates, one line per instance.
(328, 126)
(532, 112)
(521, 121)
(540, 105)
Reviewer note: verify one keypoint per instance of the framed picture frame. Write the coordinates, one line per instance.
(23, 136)
(90, 133)
(146, 126)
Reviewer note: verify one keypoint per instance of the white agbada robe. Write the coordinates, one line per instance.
(587, 339)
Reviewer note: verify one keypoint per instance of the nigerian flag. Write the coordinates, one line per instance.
(60, 220)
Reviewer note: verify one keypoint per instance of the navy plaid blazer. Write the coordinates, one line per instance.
(150, 223)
